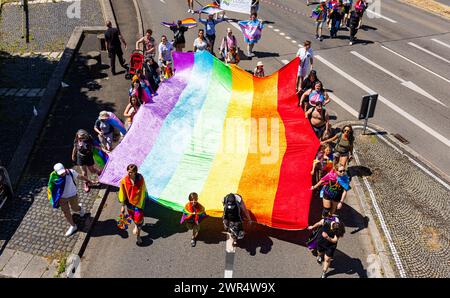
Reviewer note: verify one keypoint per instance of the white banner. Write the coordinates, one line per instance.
(242, 6)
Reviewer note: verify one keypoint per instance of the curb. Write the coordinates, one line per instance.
(108, 12)
(377, 239)
(82, 242)
(139, 18)
(27, 143)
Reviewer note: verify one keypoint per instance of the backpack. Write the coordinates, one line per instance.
(231, 208)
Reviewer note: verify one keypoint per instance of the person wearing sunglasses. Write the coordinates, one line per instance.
(344, 145)
(336, 184)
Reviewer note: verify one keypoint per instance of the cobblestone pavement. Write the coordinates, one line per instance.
(28, 223)
(415, 208)
(50, 27)
(50, 30)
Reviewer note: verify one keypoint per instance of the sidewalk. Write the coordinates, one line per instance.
(30, 229)
(25, 69)
(414, 206)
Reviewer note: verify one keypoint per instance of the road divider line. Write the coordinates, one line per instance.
(236, 25)
(441, 43)
(384, 227)
(387, 102)
(381, 16)
(415, 63)
(346, 107)
(285, 61)
(429, 52)
(405, 83)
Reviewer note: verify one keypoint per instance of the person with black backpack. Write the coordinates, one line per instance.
(233, 211)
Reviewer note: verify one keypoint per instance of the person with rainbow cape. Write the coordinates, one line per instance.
(132, 195)
(193, 214)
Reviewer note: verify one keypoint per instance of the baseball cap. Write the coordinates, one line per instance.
(59, 168)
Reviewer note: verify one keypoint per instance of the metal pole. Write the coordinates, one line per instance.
(367, 116)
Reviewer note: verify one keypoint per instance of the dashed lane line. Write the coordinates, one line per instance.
(405, 83)
(429, 52)
(415, 63)
(441, 42)
(387, 102)
(381, 16)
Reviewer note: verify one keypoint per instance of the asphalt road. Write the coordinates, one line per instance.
(373, 64)
(403, 55)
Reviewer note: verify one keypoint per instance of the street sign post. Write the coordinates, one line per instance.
(367, 109)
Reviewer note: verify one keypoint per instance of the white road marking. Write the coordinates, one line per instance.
(441, 43)
(285, 61)
(282, 34)
(162, 1)
(381, 16)
(287, 37)
(405, 83)
(270, 26)
(383, 224)
(387, 102)
(228, 274)
(276, 30)
(409, 60)
(294, 41)
(340, 102)
(428, 52)
(236, 25)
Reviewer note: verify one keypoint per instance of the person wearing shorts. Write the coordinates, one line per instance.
(193, 214)
(327, 242)
(132, 195)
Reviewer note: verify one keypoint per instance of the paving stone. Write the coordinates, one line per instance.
(34, 92)
(11, 92)
(35, 268)
(16, 264)
(5, 257)
(52, 270)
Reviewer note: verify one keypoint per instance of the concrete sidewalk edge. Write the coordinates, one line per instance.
(139, 18)
(27, 143)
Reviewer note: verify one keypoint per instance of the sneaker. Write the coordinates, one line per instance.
(317, 36)
(350, 43)
(320, 38)
(193, 242)
(324, 275)
(139, 241)
(82, 211)
(319, 260)
(70, 231)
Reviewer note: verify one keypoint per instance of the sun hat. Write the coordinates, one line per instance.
(259, 63)
(103, 115)
(59, 168)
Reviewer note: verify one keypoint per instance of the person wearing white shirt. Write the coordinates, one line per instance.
(306, 62)
(69, 197)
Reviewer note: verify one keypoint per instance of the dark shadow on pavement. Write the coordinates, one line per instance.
(265, 54)
(359, 171)
(367, 28)
(344, 264)
(108, 228)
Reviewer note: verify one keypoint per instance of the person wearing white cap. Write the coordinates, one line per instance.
(259, 70)
(64, 190)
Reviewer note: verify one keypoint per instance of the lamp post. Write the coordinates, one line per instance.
(25, 21)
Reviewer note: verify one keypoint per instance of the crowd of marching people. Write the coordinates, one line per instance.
(337, 14)
(329, 171)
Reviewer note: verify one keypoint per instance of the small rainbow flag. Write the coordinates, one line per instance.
(216, 129)
(55, 188)
(189, 23)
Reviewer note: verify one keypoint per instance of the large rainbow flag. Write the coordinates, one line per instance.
(215, 129)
